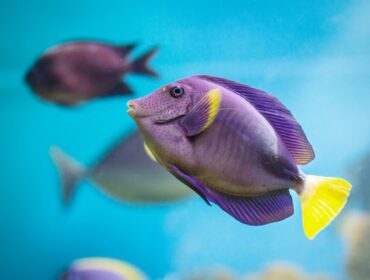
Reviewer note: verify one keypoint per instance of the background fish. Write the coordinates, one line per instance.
(71, 73)
(238, 147)
(359, 172)
(276, 270)
(102, 269)
(217, 274)
(355, 229)
(125, 173)
(285, 271)
(213, 273)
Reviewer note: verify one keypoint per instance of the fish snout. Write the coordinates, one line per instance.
(138, 108)
(133, 108)
(132, 105)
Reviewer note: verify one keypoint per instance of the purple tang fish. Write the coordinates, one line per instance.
(102, 269)
(237, 147)
(75, 72)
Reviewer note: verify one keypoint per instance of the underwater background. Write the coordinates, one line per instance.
(313, 56)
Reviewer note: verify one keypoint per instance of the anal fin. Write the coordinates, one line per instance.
(121, 88)
(257, 210)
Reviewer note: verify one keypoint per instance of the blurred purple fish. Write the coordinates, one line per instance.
(102, 269)
(75, 72)
(237, 147)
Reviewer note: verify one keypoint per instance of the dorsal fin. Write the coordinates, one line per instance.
(126, 49)
(276, 114)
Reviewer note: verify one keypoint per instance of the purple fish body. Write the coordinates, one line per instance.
(75, 72)
(237, 147)
(247, 158)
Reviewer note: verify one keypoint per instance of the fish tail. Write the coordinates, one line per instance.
(322, 199)
(140, 65)
(71, 172)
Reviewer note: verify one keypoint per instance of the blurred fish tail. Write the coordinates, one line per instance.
(140, 65)
(71, 172)
(322, 199)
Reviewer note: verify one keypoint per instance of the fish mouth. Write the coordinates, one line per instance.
(168, 120)
(134, 110)
(131, 106)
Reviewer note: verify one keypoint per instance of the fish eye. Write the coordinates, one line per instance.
(176, 91)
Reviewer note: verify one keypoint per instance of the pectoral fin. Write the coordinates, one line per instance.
(203, 114)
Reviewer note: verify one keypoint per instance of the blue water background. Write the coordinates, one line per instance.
(312, 55)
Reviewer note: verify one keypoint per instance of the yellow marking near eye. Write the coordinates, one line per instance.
(214, 99)
(164, 89)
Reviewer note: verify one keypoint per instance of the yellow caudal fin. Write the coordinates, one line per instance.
(322, 200)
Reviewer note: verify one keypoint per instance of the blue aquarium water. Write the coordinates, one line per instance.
(314, 56)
